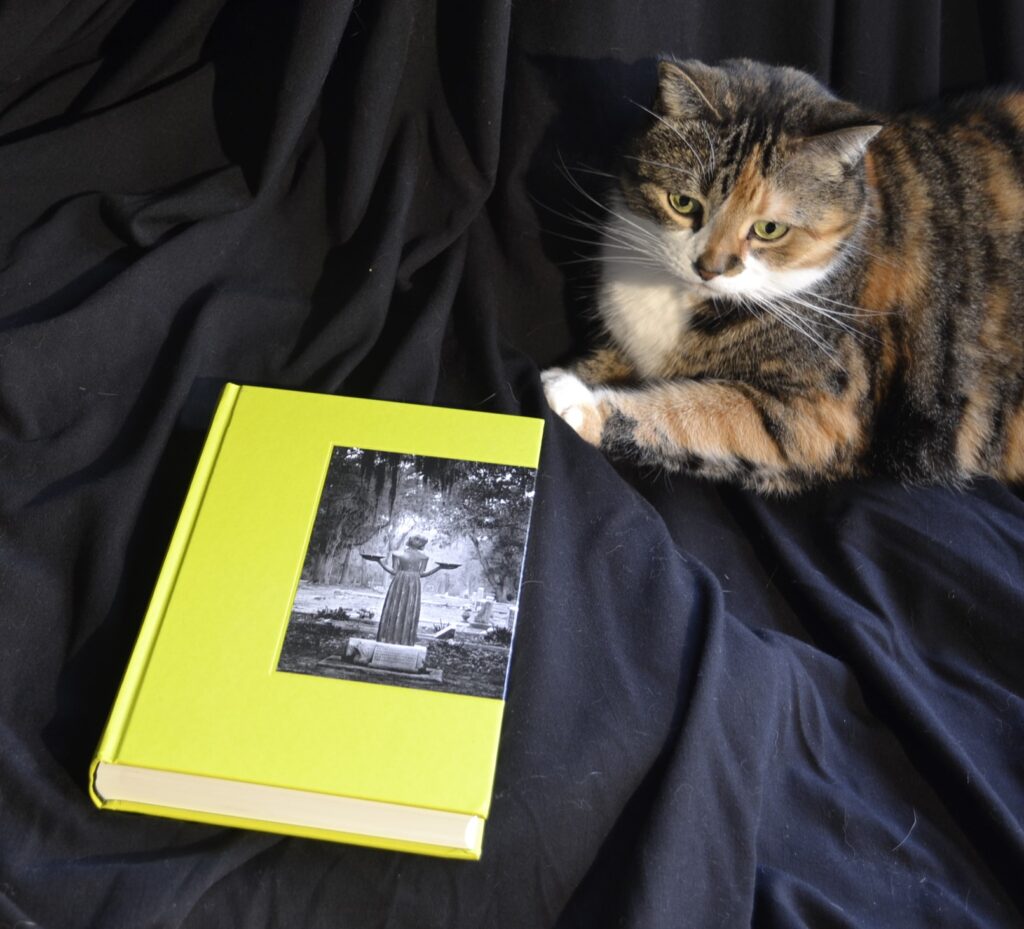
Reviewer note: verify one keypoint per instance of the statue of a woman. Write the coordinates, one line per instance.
(401, 613)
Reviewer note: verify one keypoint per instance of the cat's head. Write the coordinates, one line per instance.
(748, 180)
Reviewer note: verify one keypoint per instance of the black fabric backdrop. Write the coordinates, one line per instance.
(724, 710)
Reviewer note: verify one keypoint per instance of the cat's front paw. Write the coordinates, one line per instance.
(575, 402)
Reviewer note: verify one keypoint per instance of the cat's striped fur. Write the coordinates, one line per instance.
(882, 333)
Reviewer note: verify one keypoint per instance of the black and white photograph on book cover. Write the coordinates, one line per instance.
(411, 576)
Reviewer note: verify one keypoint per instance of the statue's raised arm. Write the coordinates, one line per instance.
(377, 558)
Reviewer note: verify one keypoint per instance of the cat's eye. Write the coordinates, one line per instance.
(685, 206)
(769, 230)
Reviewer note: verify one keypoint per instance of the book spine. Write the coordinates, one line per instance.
(150, 630)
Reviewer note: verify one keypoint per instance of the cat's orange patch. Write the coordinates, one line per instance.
(891, 285)
(711, 420)
(747, 200)
(994, 341)
(974, 429)
(889, 354)
(1013, 456)
(750, 192)
(592, 422)
(822, 427)
(1003, 188)
(718, 421)
(900, 278)
(816, 247)
(1014, 105)
(836, 224)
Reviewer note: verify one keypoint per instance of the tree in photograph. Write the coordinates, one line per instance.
(377, 499)
(491, 508)
(348, 516)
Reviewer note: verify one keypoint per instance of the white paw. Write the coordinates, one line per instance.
(571, 399)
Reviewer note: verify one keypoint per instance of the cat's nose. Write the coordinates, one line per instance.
(708, 269)
(706, 273)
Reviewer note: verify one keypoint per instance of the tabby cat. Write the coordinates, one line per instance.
(795, 290)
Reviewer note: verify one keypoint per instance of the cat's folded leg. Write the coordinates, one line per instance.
(575, 402)
(571, 392)
(718, 429)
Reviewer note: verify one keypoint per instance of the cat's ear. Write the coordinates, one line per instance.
(841, 147)
(687, 90)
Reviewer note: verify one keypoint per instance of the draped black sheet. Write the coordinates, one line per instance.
(724, 710)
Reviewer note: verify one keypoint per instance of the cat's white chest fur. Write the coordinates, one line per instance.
(643, 304)
(645, 312)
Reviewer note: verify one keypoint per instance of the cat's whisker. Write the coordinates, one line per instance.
(625, 259)
(858, 310)
(624, 239)
(586, 169)
(647, 235)
(786, 317)
(854, 243)
(836, 318)
(592, 261)
(794, 322)
(590, 221)
(840, 317)
(836, 323)
(807, 298)
(881, 259)
(627, 251)
(629, 248)
(605, 236)
(676, 132)
(635, 232)
(657, 164)
(628, 255)
(572, 238)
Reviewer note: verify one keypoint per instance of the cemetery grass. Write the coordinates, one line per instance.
(467, 667)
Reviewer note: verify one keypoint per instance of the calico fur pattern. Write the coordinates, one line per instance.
(883, 333)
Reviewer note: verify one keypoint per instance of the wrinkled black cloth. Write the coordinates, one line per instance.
(724, 710)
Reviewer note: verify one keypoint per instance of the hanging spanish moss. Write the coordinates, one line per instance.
(380, 470)
(394, 466)
(440, 473)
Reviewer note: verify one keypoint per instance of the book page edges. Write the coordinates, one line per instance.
(150, 628)
(471, 850)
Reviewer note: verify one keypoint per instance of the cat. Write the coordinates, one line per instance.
(795, 290)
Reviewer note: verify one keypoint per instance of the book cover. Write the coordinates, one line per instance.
(327, 646)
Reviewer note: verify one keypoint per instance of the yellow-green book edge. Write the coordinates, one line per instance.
(114, 729)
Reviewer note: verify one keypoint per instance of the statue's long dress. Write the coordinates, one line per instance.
(401, 613)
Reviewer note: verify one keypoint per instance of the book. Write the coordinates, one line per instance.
(327, 646)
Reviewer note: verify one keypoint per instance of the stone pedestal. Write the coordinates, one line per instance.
(409, 658)
(384, 659)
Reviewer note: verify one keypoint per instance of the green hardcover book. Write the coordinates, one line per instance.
(326, 650)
